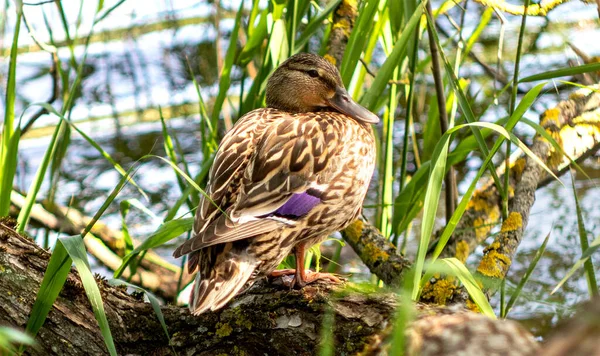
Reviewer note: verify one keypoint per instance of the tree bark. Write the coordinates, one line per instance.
(268, 319)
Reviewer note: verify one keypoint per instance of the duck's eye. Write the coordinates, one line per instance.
(313, 73)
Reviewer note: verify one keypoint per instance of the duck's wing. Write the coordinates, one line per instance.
(225, 176)
(283, 177)
(279, 183)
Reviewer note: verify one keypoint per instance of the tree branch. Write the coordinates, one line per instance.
(574, 123)
(267, 319)
(376, 252)
(343, 23)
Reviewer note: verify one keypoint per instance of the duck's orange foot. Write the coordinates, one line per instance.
(302, 278)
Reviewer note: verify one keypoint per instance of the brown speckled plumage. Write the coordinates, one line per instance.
(284, 177)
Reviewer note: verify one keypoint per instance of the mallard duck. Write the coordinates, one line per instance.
(284, 178)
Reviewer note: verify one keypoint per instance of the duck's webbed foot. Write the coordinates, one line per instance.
(310, 277)
(302, 277)
(299, 278)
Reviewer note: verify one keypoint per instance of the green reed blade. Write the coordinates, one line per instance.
(77, 252)
(515, 295)
(9, 147)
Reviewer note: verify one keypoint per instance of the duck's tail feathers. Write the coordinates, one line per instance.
(224, 283)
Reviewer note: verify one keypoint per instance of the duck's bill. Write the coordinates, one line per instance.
(342, 102)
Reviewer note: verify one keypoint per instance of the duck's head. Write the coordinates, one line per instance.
(307, 82)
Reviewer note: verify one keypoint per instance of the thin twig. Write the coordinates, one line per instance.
(486, 67)
(39, 3)
(441, 100)
(369, 72)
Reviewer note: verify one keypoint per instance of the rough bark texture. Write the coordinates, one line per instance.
(268, 319)
(343, 23)
(376, 252)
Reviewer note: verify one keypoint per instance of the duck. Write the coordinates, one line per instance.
(283, 179)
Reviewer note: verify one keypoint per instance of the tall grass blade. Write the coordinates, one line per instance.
(369, 100)
(526, 276)
(314, 24)
(466, 278)
(432, 196)
(10, 337)
(166, 232)
(124, 209)
(76, 250)
(9, 147)
(516, 116)
(586, 68)
(204, 170)
(405, 314)
(256, 37)
(588, 265)
(434, 187)
(172, 154)
(464, 105)
(58, 268)
(52, 283)
(357, 40)
(327, 347)
(23, 218)
(93, 143)
(225, 77)
(594, 246)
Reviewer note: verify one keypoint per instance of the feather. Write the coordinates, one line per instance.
(271, 181)
(298, 205)
(226, 280)
(223, 230)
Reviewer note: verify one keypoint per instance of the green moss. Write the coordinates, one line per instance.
(223, 330)
(241, 320)
(239, 352)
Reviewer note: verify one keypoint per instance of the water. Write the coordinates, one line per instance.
(128, 76)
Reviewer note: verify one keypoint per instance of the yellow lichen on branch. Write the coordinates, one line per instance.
(354, 230)
(377, 252)
(496, 261)
(462, 251)
(441, 291)
(513, 222)
(493, 263)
